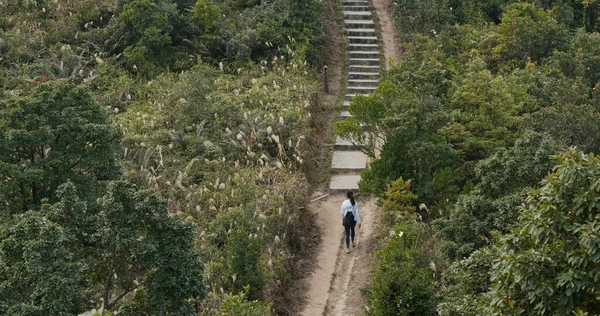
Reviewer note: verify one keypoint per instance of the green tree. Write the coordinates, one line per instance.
(528, 32)
(369, 111)
(485, 112)
(38, 273)
(206, 15)
(151, 36)
(53, 134)
(570, 125)
(124, 251)
(402, 284)
(501, 181)
(548, 263)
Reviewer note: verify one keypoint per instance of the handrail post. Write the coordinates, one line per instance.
(325, 80)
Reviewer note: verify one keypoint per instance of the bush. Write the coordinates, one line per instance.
(229, 304)
(397, 205)
(243, 251)
(402, 285)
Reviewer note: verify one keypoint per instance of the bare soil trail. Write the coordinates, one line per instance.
(389, 36)
(334, 286)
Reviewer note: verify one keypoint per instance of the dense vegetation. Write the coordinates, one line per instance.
(479, 115)
(154, 154)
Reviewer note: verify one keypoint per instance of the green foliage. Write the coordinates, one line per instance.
(485, 94)
(485, 106)
(216, 110)
(243, 253)
(528, 32)
(125, 251)
(570, 125)
(255, 30)
(95, 312)
(502, 179)
(522, 165)
(387, 168)
(369, 111)
(548, 262)
(39, 274)
(230, 151)
(425, 17)
(53, 134)
(143, 31)
(401, 285)
(206, 14)
(464, 282)
(583, 57)
(397, 204)
(228, 304)
(402, 282)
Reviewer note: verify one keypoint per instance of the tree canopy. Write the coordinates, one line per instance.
(53, 134)
(123, 251)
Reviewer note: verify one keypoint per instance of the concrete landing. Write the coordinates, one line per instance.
(341, 183)
(349, 161)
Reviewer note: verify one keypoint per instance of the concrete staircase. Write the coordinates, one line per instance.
(363, 78)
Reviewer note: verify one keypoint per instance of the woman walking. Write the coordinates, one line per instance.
(350, 217)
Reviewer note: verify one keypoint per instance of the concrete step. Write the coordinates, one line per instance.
(364, 47)
(345, 105)
(362, 54)
(363, 75)
(356, 8)
(361, 68)
(362, 40)
(344, 115)
(360, 90)
(343, 144)
(361, 32)
(349, 96)
(359, 24)
(346, 3)
(357, 15)
(363, 83)
(341, 183)
(349, 161)
(363, 61)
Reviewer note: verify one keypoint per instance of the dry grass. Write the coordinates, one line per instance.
(325, 110)
(329, 104)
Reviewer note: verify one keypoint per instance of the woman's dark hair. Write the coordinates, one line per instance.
(351, 197)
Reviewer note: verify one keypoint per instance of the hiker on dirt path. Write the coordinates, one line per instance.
(350, 216)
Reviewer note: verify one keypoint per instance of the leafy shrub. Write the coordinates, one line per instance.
(401, 284)
(464, 283)
(228, 304)
(243, 251)
(397, 204)
(548, 262)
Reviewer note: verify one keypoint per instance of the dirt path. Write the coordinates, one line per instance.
(334, 286)
(389, 37)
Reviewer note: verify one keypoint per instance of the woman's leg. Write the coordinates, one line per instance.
(352, 231)
(347, 228)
